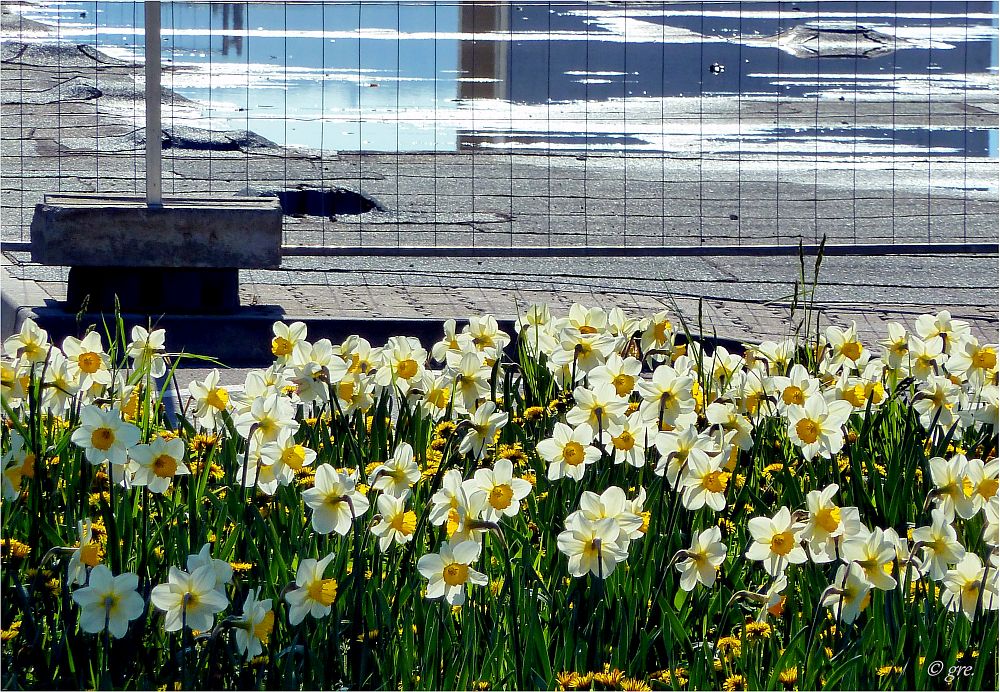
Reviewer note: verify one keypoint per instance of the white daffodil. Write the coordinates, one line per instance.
(726, 416)
(87, 553)
(334, 500)
(222, 570)
(940, 544)
(109, 602)
(896, 346)
(658, 335)
(678, 447)
(104, 436)
(314, 595)
(991, 527)
(402, 364)
(18, 464)
(470, 381)
(291, 456)
(254, 627)
(448, 571)
(827, 524)
(982, 480)
(849, 594)
(620, 373)
(397, 475)
(924, 358)
(286, 338)
(702, 560)
(965, 590)
(666, 397)
(630, 439)
(146, 351)
(268, 417)
(315, 367)
(845, 347)
(395, 522)
(453, 342)
(950, 479)
(450, 499)
(189, 600)
(974, 362)
(611, 504)
(817, 427)
(777, 355)
(503, 492)
(591, 546)
(485, 423)
(568, 451)
(937, 400)
(31, 343)
(87, 359)
(776, 542)
(486, 334)
(705, 483)
(211, 401)
(874, 552)
(157, 463)
(950, 331)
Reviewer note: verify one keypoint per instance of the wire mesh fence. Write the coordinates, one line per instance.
(530, 125)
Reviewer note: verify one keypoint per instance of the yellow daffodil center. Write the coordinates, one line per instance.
(90, 555)
(660, 330)
(793, 395)
(988, 487)
(294, 457)
(623, 384)
(404, 522)
(110, 602)
(102, 439)
(280, 346)
(807, 430)
(984, 359)
(573, 453)
(624, 442)
(851, 350)
(828, 518)
(855, 395)
(218, 398)
(587, 329)
(715, 482)
(752, 402)
(782, 543)
(439, 397)
(345, 390)
(500, 496)
(262, 630)
(455, 574)
(323, 591)
(89, 362)
(164, 466)
(406, 368)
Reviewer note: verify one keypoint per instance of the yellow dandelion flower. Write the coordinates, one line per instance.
(533, 413)
(445, 429)
(241, 567)
(13, 548)
(568, 680)
(734, 682)
(757, 630)
(789, 677)
(888, 670)
(11, 632)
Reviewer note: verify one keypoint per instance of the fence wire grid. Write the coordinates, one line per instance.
(524, 125)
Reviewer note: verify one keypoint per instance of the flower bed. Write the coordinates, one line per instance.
(592, 502)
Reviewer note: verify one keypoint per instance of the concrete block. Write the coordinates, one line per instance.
(88, 230)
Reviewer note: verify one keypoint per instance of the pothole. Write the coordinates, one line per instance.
(328, 203)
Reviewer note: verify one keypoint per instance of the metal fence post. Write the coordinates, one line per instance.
(154, 154)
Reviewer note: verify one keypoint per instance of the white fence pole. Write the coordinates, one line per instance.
(154, 154)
